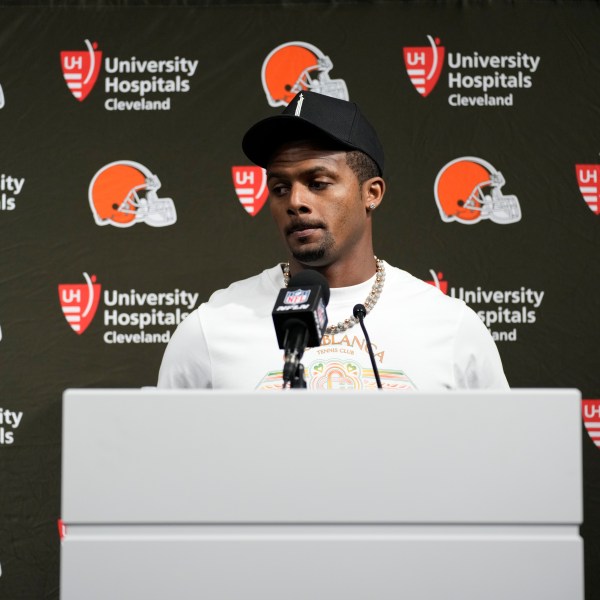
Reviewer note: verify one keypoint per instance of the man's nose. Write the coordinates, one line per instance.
(299, 201)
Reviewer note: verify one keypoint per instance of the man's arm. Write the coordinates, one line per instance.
(477, 363)
(186, 362)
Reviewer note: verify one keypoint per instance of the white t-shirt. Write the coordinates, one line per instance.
(421, 339)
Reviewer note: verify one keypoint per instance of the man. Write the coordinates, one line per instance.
(324, 167)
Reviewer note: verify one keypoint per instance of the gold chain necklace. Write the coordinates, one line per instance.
(369, 303)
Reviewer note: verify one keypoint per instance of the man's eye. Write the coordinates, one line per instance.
(279, 190)
(318, 185)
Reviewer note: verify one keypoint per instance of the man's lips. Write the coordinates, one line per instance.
(300, 230)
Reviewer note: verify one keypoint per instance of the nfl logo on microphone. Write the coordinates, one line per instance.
(296, 297)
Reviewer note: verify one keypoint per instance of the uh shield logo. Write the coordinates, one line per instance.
(424, 65)
(250, 185)
(80, 69)
(437, 280)
(587, 178)
(79, 302)
(591, 418)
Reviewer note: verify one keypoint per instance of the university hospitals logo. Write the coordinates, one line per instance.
(297, 66)
(124, 193)
(250, 185)
(128, 317)
(424, 65)
(587, 178)
(591, 418)
(81, 68)
(79, 302)
(473, 78)
(10, 188)
(503, 312)
(469, 189)
(131, 83)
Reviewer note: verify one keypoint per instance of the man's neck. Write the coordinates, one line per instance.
(341, 274)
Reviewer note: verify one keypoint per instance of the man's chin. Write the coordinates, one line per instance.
(309, 256)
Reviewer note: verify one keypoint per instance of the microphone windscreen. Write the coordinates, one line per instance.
(310, 277)
(359, 311)
(304, 299)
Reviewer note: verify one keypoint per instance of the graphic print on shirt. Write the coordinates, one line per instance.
(342, 363)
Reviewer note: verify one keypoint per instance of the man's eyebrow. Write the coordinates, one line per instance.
(274, 174)
(318, 170)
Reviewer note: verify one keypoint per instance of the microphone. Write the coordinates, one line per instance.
(360, 312)
(300, 318)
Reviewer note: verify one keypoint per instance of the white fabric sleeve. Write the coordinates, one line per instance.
(186, 362)
(477, 363)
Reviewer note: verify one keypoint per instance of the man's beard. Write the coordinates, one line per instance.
(316, 254)
(309, 256)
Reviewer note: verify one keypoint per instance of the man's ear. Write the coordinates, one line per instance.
(373, 192)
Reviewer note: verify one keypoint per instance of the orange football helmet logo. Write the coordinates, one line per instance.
(469, 189)
(295, 67)
(123, 193)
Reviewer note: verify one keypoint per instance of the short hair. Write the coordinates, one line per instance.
(362, 164)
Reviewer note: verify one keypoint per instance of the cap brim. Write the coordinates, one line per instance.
(265, 137)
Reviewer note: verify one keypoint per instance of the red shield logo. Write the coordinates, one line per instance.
(79, 302)
(437, 280)
(80, 69)
(587, 178)
(251, 187)
(424, 65)
(591, 418)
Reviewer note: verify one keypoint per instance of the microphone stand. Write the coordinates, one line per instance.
(360, 312)
(296, 338)
(298, 381)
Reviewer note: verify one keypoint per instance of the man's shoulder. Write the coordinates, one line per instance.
(251, 289)
(410, 287)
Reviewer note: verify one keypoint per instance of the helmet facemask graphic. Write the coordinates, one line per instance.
(504, 209)
(320, 82)
(124, 193)
(494, 206)
(158, 212)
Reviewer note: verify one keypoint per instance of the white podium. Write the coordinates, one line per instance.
(300, 496)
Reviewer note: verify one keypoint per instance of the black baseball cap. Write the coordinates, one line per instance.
(310, 115)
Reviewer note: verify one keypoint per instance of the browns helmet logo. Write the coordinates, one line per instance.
(469, 189)
(295, 67)
(123, 193)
